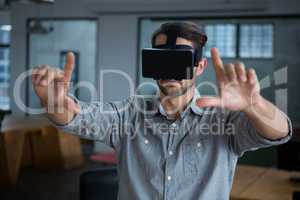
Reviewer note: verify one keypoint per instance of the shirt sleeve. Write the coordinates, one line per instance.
(98, 121)
(244, 137)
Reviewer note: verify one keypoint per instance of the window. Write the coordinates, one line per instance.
(256, 41)
(222, 36)
(253, 41)
(4, 66)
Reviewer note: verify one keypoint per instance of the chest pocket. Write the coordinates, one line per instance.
(194, 157)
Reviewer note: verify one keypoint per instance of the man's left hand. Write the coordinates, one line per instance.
(238, 88)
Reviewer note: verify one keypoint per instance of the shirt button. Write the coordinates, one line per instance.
(170, 153)
(198, 144)
(169, 178)
(146, 141)
(173, 125)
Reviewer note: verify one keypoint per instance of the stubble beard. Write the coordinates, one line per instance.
(174, 93)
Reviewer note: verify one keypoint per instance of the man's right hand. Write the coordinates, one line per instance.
(51, 86)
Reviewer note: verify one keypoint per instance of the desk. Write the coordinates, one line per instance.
(259, 183)
(33, 142)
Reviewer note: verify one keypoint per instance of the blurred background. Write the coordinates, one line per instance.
(39, 162)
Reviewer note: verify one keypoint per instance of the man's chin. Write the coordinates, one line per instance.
(171, 91)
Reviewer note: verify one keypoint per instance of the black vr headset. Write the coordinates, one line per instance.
(170, 61)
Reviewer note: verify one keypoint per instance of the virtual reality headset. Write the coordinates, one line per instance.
(165, 62)
(170, 60)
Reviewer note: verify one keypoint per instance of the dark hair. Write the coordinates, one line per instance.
(187, 30)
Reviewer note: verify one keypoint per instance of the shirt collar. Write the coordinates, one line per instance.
(192, 105)
(195, 108)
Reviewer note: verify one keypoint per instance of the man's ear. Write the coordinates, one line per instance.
(202, 64)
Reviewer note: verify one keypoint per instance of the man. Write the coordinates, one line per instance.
(178, 145)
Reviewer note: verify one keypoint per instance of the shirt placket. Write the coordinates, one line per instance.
(169, 165)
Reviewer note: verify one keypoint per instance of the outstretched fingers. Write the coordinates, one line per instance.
(252, 77)
(218, 66)
(68, 68)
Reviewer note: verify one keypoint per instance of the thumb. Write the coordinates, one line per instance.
(71, 105)
(207, 101)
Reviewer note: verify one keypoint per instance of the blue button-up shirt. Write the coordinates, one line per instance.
(192, 157)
